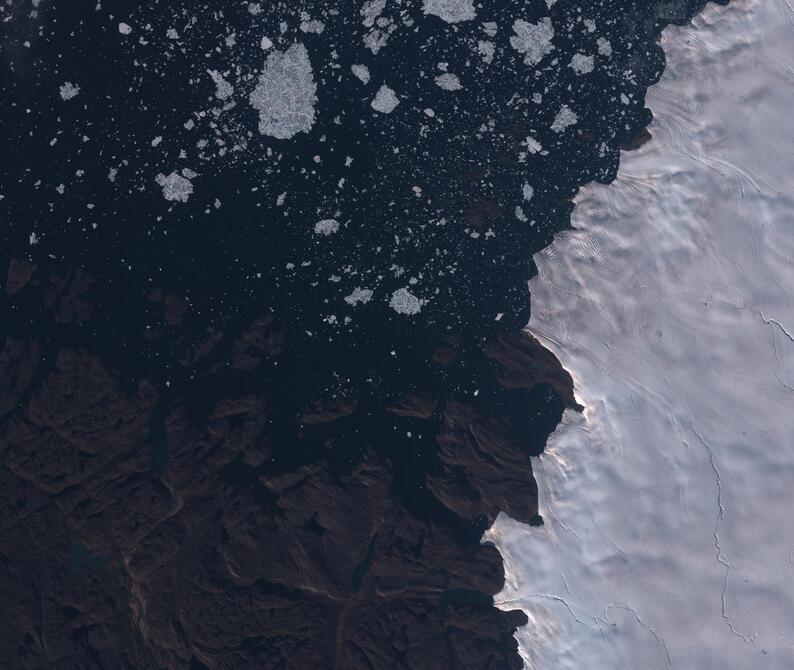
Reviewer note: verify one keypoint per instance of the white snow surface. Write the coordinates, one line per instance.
(668, 540)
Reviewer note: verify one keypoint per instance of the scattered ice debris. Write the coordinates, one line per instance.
(404, 302)
(286, 93)
(362, 72)
(449, 82)
(489, 28)
(533, 39)
(312, 26)
(172, 34)
(527, 191)
(581, 64)
(223, 89)
(326, 227)
(69, 90)
(385, 100)
(359, 295)
(565, 117)
(451, 11)
(254, 8)
(520, 214)
(604, 46)
(532, 145)
(372, 10)
(486, 49)
(175, 187)
(157, 140)
(125, 28)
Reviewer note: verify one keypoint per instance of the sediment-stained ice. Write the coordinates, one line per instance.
(285, 96)
(668, 540)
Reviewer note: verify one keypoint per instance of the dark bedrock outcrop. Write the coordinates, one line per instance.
(142, 531)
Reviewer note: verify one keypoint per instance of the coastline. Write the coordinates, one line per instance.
(667, 303)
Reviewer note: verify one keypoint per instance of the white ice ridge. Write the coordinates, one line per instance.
(669, 534)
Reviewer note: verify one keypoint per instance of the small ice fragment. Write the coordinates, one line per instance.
(533, 39)
(565, 117)
(371, 10)
(125, 28)
(449, 82)
(69, 90)
(326, 227)
(362, 72)
(359, 295)
(175, 187)
(313, 26)
(286, 93)
(451, 11)
(223, 89)
(581, 64)
(404, 302)
(385, 100)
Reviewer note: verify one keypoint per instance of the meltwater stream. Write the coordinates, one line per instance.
(668, 539)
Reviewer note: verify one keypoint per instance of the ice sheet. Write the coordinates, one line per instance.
(669, 526)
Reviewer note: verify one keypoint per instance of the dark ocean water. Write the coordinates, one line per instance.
(427, 203)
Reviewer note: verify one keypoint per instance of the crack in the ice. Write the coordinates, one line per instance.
(562, 600)
(647, 627)
(720, 557)
(772, 323)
